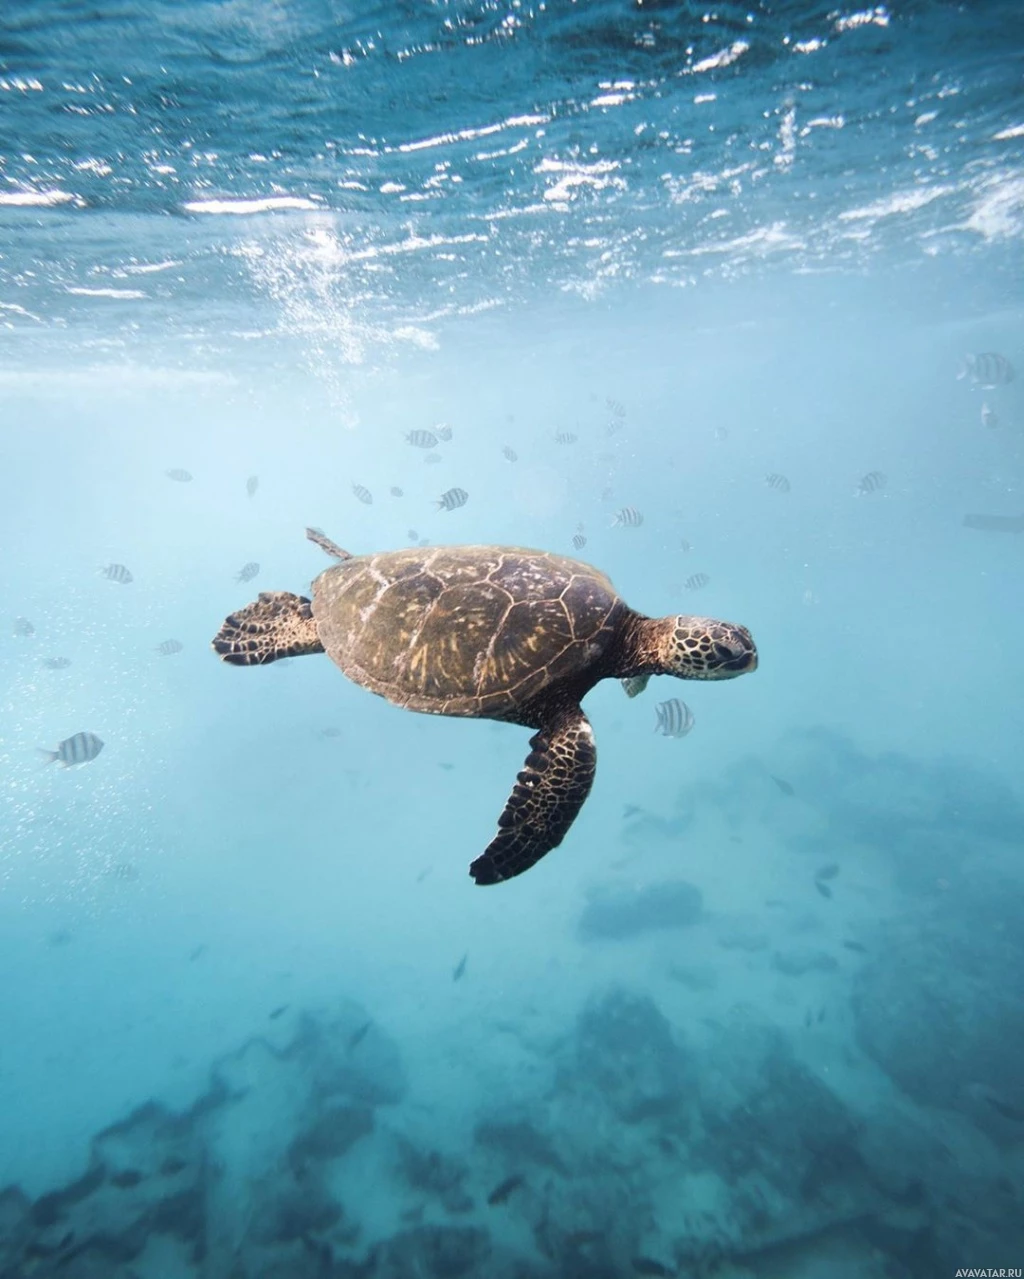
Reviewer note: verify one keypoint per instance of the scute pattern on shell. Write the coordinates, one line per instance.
(464, 630)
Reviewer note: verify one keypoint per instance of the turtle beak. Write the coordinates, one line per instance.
(738, 654)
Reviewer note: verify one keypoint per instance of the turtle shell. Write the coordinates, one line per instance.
(464, 630)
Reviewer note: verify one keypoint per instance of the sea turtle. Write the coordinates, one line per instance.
(488, 632)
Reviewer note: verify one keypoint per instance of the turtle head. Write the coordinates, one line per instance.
(703, 648)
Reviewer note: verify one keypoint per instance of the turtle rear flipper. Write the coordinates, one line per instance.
(276, 625)
(545, 800)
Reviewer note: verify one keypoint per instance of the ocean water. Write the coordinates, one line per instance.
(759, 1015)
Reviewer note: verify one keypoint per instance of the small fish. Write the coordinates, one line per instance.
(126, 871)
(873, 482)
(197, 953)
(628, 517)
(566, 437)
(696, 580)
(777, 482)
(412, 535)
(821, 1014)
(721, 433)
(615, 407)
(117, 573)
(1004, 1108)
(172, 1166)
(675, 719)
(685, 547)
(509, 454)
(579, 541)
(989, 417)
(822, 888)
(395, 491)
(422, 439)
(252, 484)
(358, 1035)
(330, 732)
(445, 765)
(79, 749)
(56, 663)
(460, 968)
(782, 784)
(829, 871)
(452, 499)
(127, 1179)
(987, 370)
(856, 947)
(247, 572)
(648, 1266)
(614, 426)
(504, 1189)
(432, 459)
(444, 432)
(279, 1011)
(363, 493)
(23, 627)
(167, 648)
(424, 541)
(423, 874)
(176, 473)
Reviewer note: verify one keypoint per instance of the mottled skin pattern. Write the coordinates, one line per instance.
(489, 632)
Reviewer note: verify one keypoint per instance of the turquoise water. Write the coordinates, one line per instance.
(759, 1014)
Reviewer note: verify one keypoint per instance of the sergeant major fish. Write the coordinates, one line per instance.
(176, 473)
(252, 484)
(363, 493)
(452, 499)
(168, 647)
(117, 573)
(628, 517)
(987, 370)
(696, 580)
(579, 541)
(421, 439)
(777, 482)
(247, 572)
(79, 749)
(873, 482)
(509, 454)
(675, 719)
(444, 432)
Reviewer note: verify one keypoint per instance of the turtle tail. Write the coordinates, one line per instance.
(276, 625)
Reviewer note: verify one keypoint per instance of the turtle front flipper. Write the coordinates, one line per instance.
(276, 625)
(548, 794)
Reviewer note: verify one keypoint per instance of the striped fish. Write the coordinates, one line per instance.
(176, 473)
(432, 459)
(685, 546)
(696, 580)
(412, 535)
(721, 433)
(615, 407)
(422, 439)
(778, 482)
(169, 647)
(579, 541)
(987, 370)
(247, 572)
(675, 719)
(396, 491)
(117, 573)
(363, 493)
(871, 483)
(566, 437)
(452, 499)
(444, 432)
(252, 484)
(628, 517)
(509, 454)
(56, 663)
(79, 749)
(22, 626)
(989, 417)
